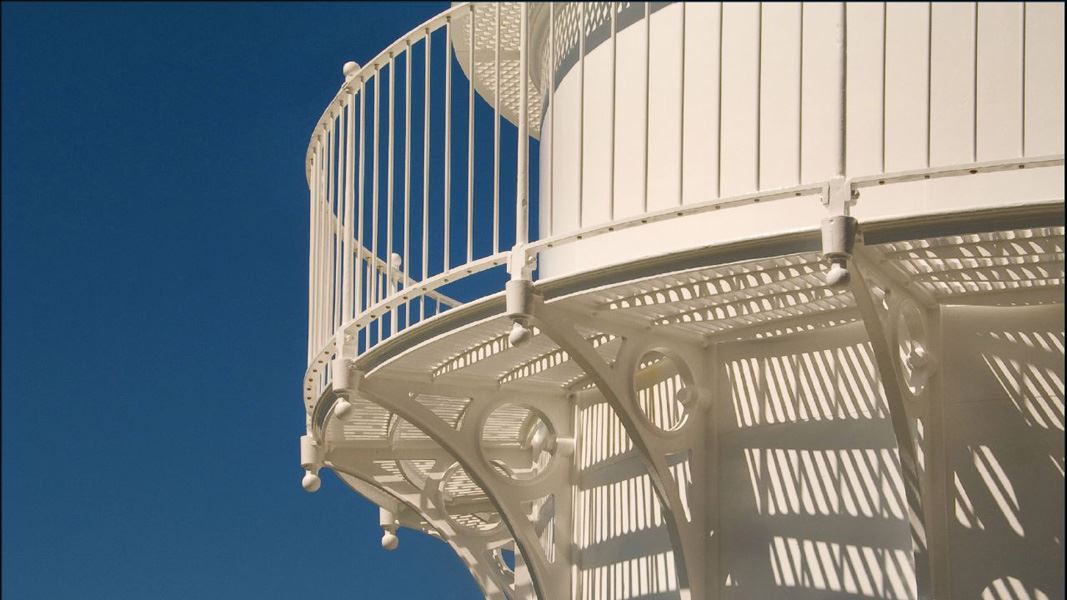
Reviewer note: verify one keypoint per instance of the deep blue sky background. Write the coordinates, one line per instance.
(154, 296)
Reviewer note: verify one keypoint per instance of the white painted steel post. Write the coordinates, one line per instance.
(425, 171)
(360, 292)
(375, 181)
(407, 174)
(841, 42)
(470, 144)
(389, 195)
(331, 226)
(519, 289)
(350, 145)
(552, 107)
(496, 135)
(311, 254)
(448, 141)
(522, 231)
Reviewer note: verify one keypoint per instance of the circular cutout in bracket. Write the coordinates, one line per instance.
(466, 503)
(663, 389)
(518, 441)
(916, 360)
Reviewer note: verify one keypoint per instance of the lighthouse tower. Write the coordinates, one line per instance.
(668, 300)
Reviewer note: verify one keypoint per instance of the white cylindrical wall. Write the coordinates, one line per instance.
(739, 98)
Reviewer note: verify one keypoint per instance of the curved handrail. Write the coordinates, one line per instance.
(361, 291)
(820, 190)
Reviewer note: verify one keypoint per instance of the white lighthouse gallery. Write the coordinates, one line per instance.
(700, 300)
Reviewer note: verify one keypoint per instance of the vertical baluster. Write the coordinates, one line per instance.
(321, 175)
(320, 180)
(405, 268)
(470, 143)
(389, 195)
(842, 76)
(522, 230)
(424, 269)
(350, 148)
(496, 132)
(448, 137)
(335, 215)
(329, 230)
(312, 190)
(375, 182)
(360, 291)
(324, 231)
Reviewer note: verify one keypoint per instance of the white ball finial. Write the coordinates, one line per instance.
(342, 408)
(519, 334)
(837, 275)
(390, 541)
(311, 482)
(396, 260)
(350, 69)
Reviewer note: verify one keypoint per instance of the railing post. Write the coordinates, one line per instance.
(522, 229)
(841, 42)
(520, 287)
(350, 69)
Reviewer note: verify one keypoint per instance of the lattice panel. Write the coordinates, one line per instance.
(984, 262)
(507, 426)
(458, 484)
(367, 421)
(507, 89)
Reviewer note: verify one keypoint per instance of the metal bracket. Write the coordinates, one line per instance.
(425, 502)
(911, 472)
(838, 195)
(686, 528)
(550, 578)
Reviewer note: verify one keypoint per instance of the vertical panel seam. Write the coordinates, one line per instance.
(759, 88)
(800, 102)
(718, 154)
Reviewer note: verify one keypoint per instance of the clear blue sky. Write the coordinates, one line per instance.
(154, 296)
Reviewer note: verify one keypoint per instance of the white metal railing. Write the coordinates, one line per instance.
(411, 190)
(390, 224)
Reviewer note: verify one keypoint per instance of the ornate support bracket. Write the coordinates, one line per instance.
(549, 568)
(686, 527)
(903, 376)
(425, 503)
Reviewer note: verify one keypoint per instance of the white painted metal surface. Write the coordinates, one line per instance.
(686, 406)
